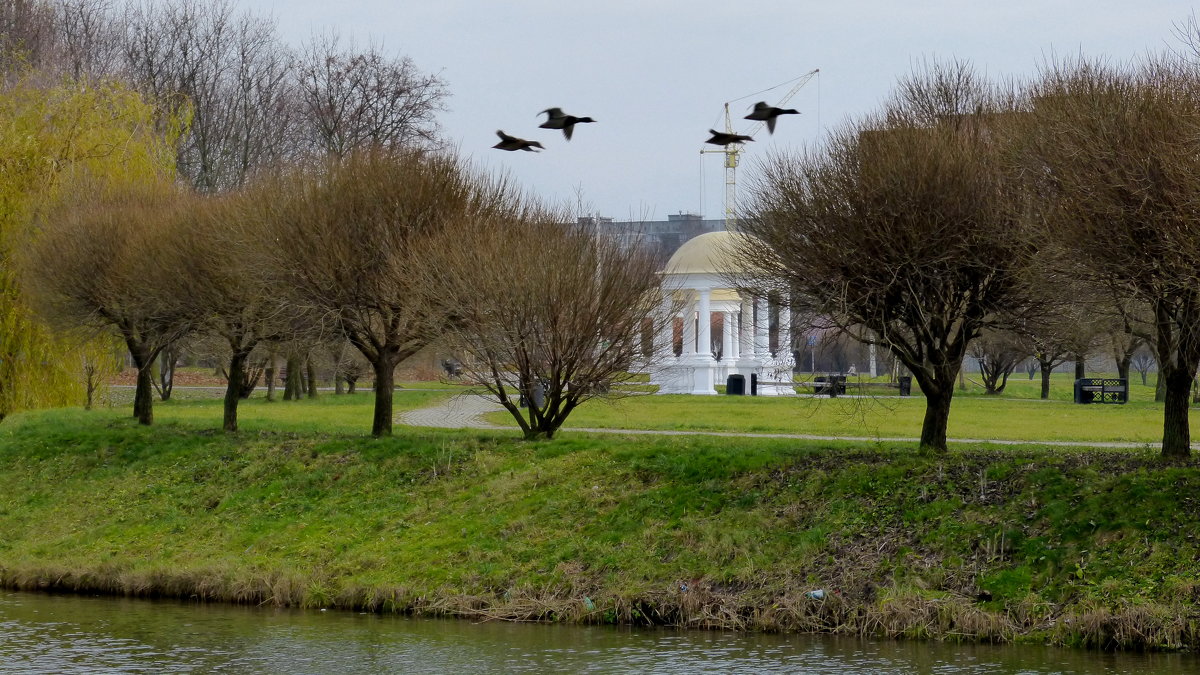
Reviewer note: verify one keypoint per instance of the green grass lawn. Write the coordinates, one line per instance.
(1061, 386)
(328, 413)
(1018, 414)
(302, 507)
(1019, 386)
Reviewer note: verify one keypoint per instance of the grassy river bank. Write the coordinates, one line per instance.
(1083, 547)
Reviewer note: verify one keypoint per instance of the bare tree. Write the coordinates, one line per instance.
(226, 265)
(1050, 344)
(1124, 344)
(26, 35)
(905, 224)
(1143, 361)
(226, 72)
(107, 261)
(998, 353)
(353, 99)
(346, 363)
(348, 246)
(1121, 147)
(561, 321)
(168, 358)
(88, 38)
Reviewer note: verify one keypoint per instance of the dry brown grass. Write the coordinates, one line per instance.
(909, 613)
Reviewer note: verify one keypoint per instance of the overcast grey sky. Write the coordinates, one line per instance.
(656, 73)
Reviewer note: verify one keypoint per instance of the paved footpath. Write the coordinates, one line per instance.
(466, 412)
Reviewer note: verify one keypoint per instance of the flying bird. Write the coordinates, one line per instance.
(511, 143)
(722, 138)
(556, 119)
(766, 113)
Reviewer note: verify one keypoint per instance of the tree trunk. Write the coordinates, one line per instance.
(1178, 354)
(339, 356)
(233, 390)
(251, 373)
(994, 379)
(311, 370)
(1123, 367)
(351, 385)
(384, 367)
(143, 395)
(166, 372)
(270, 378)
(91, 373)
(1176, 431)
(1047, 369)
(1080, 367)
(293, 387)
(937, 417)
(1160, 387)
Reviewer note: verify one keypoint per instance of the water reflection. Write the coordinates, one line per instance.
(72, 634)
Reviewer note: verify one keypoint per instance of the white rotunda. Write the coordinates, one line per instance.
(717, 331)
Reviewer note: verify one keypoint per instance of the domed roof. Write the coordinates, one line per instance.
(710, 253)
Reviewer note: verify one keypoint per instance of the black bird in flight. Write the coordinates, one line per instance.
(765, 113)
(511, 143)
(722, 138)
(556, 119)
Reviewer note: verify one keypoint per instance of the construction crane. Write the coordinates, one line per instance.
(732, 150)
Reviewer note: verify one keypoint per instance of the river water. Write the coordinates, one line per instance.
(81, 634)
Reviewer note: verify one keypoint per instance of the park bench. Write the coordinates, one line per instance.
(838, 385)
(1101, 390)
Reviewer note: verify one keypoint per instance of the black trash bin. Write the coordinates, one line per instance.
(754, 384)
(836, 386)
(818, 385)
(735, 385)
(905, 382)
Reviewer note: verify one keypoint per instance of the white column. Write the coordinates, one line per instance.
(745, 338)
(689, 330)
(703, 365)
(736, 319)
(727, 320)
(704, 325)
(785, 333)
(762, 347)
(664, 340)
(668, 372)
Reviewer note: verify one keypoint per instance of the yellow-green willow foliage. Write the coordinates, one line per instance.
(49, 138)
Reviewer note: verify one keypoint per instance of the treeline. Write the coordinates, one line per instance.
(181, 174)
(1002, 220)
(391, 250)
(193, 90)
(246, 98)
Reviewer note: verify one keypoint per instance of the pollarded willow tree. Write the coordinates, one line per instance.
(348, 240)
(562, 319)
(230, 294)
(905, 224)
(106, 261)
(1119, 147)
